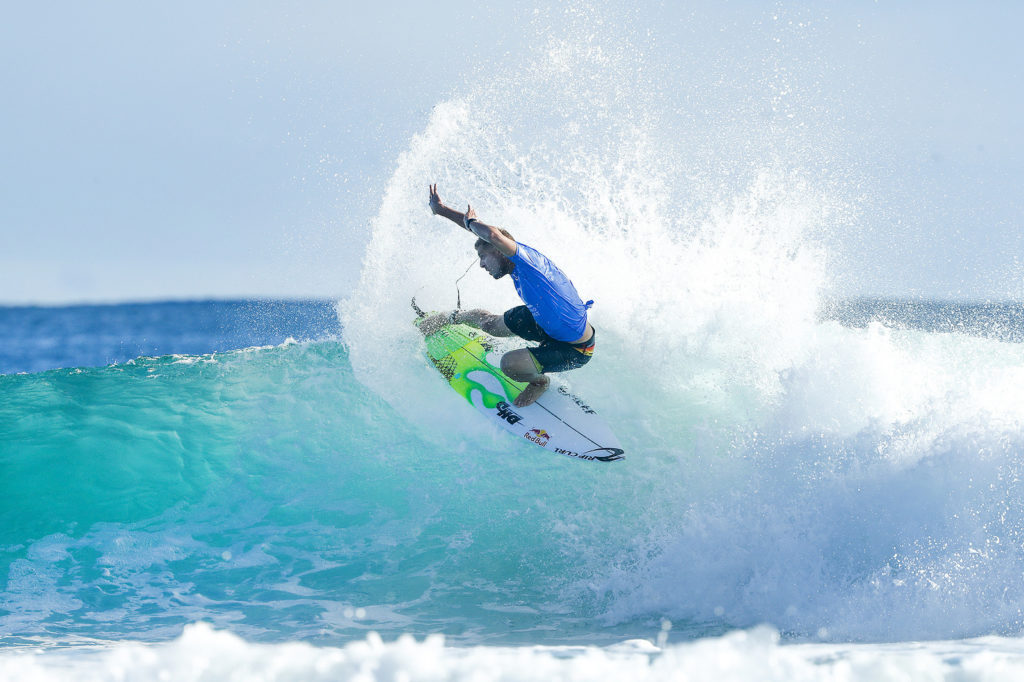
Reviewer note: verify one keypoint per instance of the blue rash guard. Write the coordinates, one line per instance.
(549, 294)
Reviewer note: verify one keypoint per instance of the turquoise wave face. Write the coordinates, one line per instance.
(267, 491)
(270, 492)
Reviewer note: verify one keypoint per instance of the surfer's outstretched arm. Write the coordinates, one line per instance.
(490, 234)
(445, 212)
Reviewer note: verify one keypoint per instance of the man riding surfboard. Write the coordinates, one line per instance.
(554, 316)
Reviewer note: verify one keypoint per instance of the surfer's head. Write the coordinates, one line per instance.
(493, 261)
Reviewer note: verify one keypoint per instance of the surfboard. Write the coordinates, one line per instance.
(559, 421)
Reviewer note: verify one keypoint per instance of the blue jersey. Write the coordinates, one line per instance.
(549, 294)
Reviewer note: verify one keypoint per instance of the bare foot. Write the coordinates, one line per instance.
(532, 391)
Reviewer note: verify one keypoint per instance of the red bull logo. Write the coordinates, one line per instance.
(538, 436)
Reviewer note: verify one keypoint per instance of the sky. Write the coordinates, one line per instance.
(214, 150)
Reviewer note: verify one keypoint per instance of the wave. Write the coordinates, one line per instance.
(269, 490)
(873, 494)
(837, 483)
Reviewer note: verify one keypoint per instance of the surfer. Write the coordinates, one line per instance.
(553, 314)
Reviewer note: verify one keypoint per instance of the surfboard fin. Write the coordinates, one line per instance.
(419, 313)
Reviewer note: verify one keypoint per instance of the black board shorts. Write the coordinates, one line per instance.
(551, 355)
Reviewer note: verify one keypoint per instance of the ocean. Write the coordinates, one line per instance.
(216, 490)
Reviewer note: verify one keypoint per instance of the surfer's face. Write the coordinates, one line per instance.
(492, 261)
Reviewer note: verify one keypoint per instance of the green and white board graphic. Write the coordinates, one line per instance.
(558, 421)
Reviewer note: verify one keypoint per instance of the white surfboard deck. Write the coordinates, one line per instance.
(558, 421)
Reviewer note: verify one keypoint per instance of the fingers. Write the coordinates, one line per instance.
(435, 200)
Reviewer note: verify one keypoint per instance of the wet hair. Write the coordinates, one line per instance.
(484, 242)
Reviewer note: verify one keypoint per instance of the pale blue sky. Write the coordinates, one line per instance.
(191, 150)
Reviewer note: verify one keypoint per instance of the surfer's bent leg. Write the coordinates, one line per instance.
(485, 321)
(481, 319)
(520, 365)
(531, 364)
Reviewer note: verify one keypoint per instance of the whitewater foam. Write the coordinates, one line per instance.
(201, 653)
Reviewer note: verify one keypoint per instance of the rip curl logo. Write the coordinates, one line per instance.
(614, 454)
(538, 436)
(506, 413)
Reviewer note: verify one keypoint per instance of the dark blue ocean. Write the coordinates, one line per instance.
(38, 338)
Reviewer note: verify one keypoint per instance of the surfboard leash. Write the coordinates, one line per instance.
(458, 294)
(458, 298)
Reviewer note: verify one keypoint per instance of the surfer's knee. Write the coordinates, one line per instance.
(520, 365)
(510, 365)
(494, 324)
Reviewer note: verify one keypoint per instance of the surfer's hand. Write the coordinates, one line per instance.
(468, 218)
(435, 200)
